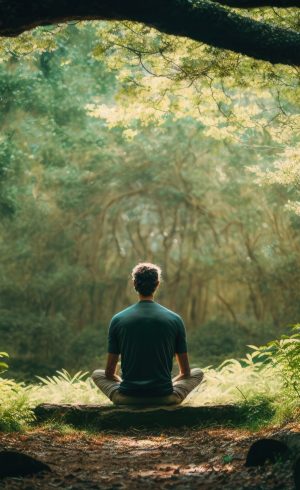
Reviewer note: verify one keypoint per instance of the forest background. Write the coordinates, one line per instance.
(118, 147)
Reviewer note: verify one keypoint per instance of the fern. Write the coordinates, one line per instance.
(235, 381)
(283, 355)
(3, 365)
(15, 406)
(65, 388)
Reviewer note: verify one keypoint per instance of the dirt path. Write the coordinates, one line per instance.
(180, 459)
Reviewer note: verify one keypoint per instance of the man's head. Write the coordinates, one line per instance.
(146, 278)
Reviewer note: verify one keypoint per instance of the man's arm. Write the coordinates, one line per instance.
(113, 353)
(181, 352)
(184, 366)
(111, 365)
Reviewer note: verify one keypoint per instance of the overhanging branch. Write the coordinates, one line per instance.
(249, 4)
(202, 20)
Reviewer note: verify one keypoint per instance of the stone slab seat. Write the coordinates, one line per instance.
(116, 417)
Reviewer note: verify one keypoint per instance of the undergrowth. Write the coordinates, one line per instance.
(15, 407)
(65, 388)
(237, 381)
(265, 384)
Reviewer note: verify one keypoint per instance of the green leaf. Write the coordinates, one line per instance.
(227, 458)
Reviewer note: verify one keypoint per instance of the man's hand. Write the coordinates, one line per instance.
(184, 366)
(181, 376)
(113, 377)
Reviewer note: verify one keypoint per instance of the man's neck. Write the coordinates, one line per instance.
(146, 298)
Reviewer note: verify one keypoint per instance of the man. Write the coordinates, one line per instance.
(147, 335)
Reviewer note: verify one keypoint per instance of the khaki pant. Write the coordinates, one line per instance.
(181, 389)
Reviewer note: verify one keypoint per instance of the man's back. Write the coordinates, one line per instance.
(147, 336)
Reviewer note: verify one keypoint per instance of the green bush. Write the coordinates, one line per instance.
(284, 357)
(15, 409)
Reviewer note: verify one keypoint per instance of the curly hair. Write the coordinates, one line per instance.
(146, 277)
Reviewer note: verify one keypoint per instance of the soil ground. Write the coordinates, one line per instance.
(181, 459)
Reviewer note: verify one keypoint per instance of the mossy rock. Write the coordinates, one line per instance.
(113, 417)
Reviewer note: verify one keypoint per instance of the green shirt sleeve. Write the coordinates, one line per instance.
(113, 342)
(181, 344)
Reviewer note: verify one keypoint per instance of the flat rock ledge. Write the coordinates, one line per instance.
(113, 417)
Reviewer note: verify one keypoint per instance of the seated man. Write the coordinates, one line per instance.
(147, 335)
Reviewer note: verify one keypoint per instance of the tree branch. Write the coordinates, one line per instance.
(249, 4)
(201, 20)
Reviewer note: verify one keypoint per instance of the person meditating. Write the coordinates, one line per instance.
(147, 336)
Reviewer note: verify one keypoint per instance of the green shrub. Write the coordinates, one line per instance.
(283, 355)
(15, 410)
(15, 407)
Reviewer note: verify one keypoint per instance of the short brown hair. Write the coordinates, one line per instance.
(145, 277)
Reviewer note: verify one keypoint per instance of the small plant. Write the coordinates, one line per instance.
(63, 376)
(3, 365)
(15, 410)
(284, 356)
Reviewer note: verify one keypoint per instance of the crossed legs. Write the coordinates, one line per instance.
(181, 389)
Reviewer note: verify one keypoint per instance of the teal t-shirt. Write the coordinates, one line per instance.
(147, 335)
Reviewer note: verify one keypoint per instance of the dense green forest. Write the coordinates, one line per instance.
(100, 169)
